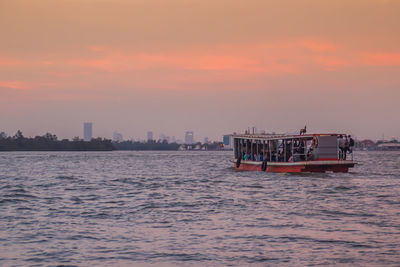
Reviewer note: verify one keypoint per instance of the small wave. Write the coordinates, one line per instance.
(18, 190)
(328, 191)
(77, 200)
(257, 259)
(12, 200)
(101, 215)
(6, 186)
(81, 237)
(286, 225)
(65, 177)
(254, 186)
(19, 195)
(350, 214)
(182, 256)
(341, 187)
(131, 181)
(46, 185)
(332, 241)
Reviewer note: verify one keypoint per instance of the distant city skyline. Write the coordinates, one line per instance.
(186, 135)
(214, 67)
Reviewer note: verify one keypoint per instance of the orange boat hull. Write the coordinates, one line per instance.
(292, 168)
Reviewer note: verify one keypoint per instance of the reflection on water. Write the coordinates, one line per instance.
(185, 208)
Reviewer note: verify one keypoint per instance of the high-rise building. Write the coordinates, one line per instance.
(162, 137)
(206, 140)
(227, 141)
(189, 137)
(117, 137)
(149, 135)
(87, 131)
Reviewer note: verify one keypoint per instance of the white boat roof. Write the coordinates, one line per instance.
(281, 136)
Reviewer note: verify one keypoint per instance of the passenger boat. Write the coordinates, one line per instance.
(289, 153)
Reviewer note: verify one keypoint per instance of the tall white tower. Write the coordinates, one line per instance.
(87, 131)
(149, 136)
(189, 137)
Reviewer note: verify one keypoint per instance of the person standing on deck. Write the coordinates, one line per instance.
(346, 147)
(342, 147)
(304, 130)
(351, 144)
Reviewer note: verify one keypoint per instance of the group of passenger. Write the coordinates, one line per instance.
(302, 150)
(275, 156)
(254, 157)
(346, 144)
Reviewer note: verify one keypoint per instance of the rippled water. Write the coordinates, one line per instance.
(192, 208)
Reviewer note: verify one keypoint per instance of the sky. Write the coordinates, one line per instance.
(213, 67)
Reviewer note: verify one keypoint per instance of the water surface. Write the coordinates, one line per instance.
(192, 208)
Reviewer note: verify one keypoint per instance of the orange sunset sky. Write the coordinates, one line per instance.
(213, 67)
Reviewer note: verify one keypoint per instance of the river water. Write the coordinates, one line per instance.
(192, 208)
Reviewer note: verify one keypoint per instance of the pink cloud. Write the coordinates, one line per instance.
(6, 61)
(218, 59)
(59, 74)
(103, 64)
(97, 48)
(334, 62)
(188, 61)
(381, 59)
(15, 85)
(46, 62)
(193, 67)
(319, 46)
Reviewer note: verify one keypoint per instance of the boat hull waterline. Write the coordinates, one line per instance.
(296, 167)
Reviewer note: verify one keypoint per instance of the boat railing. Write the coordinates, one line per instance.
(306, 156)
(300, 157)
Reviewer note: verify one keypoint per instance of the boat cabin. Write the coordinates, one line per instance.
(287, 148)
(268, 149)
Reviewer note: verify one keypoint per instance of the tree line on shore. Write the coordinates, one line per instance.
(50, 142)
(164, 145)
(149, 145)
